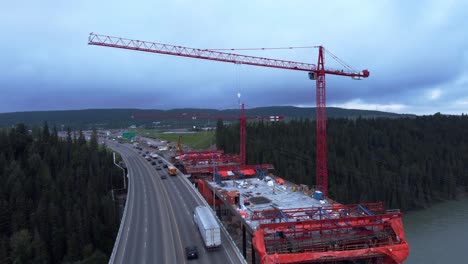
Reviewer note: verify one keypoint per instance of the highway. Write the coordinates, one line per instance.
(157, 224)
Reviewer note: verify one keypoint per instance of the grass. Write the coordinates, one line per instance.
(197, 140)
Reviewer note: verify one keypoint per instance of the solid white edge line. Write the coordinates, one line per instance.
(122, 224)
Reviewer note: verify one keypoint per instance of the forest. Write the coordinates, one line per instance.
(55, 198)
(406, 163)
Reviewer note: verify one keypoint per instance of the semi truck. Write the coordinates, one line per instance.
(209, 228)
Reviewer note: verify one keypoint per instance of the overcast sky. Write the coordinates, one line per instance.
(417, 54)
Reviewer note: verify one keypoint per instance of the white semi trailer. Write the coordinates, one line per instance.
(209, 228)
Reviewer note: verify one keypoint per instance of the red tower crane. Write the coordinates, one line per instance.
(242, 118)
(316, 72)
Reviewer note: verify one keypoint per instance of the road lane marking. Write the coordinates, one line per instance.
(144, 182)
(166, 204)
(163, 214)
(131, 193)
(175, 225)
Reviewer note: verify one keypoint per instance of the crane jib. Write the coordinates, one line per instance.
(138, 45)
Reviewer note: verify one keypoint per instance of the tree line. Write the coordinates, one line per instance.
(55, 199)
(406, 163)
(117, 118)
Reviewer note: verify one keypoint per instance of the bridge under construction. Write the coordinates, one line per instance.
(275, 221)
(272, 220)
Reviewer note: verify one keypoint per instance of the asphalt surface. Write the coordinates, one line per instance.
(158, 223)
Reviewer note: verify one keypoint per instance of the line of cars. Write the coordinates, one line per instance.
(155, 161)
(202, 218)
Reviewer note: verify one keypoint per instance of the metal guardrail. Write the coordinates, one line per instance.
(122, 224)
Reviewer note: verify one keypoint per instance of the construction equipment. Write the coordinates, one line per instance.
(179, 144)
(242, 126)
(316, 72)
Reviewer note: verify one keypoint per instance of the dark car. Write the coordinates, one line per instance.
(158, 167)
(165, 166)
(159, 161)
(153, 163)
(191, 252)
(164, 176)
(147, 152)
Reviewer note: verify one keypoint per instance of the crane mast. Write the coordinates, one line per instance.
(321, 170)
(242, 132)
(316, 72)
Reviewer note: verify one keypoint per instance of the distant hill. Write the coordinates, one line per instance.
(122, 118)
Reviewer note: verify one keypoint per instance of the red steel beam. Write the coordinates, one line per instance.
(375, 208)
(332, 224)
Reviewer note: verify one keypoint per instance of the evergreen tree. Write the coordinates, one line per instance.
(4, 250)
(21, 247)
(51, 197)
(40, 252)
(406, 163)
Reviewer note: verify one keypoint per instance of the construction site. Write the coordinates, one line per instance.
(270, 219)
(275, 221)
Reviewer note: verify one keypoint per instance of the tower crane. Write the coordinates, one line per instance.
(317, 72)
(242, 127)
